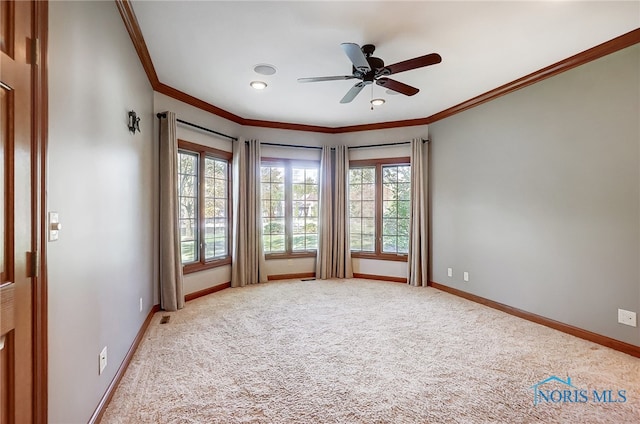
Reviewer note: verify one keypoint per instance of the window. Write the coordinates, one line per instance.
(289, 207)
(203, 195)
(379, 208)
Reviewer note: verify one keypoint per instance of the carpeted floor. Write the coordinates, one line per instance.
(359, 351)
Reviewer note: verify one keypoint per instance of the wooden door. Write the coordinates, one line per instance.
(16, 120)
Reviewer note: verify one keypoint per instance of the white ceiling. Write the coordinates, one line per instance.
(209, 50)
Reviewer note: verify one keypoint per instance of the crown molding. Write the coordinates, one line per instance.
(601, 50)
(606, 48)
(131, 23)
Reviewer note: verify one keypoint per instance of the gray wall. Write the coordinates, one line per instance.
(100, 181)
(536, 195)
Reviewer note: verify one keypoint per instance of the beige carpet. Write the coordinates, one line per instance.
(361, 351)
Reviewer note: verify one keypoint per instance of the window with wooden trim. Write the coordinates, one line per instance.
(289, 207)
(379, 208)
(204, 178)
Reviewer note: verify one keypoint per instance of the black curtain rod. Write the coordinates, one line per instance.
(162, 115)
(349, 147)
(298, 146)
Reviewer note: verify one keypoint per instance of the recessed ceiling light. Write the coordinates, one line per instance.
(264, 69)
(377, 102)
(258, 85)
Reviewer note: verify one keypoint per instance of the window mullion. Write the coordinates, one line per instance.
(379, 192)
(201, 206)
(288, 207)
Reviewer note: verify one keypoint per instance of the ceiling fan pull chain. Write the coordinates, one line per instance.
(371, 97)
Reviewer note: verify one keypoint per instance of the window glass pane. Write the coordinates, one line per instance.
(404, 191)
(368, 209)
(312, 242)
(188, 202)
(297, 175)
(188, 249)
(396, 193)
(355, 209)
(265, 174)
(389, 174)
(368, 192)
(221, 236)
(403, 244)
(362, 208)
(368, 243)
(355, 242)
(403, 227)
(277, 208)
(389, 226)
(277, 244)
(389, 244)
(355, 175)
(369, 226)
(404, 173)
(304, 191)
(298, 242)
(355, 191)
(221, 169)
(216, 206)
(277, 191)
(277, 174)
(369, 175)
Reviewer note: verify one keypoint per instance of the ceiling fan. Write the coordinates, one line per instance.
(368, 69)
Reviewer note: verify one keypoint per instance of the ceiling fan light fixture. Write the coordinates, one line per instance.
(258, 85)
(377, 102)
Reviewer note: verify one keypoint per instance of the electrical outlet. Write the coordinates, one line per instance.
(102, 358)
(627, 317)
(140, 304)
(466, 276)
(449, 272)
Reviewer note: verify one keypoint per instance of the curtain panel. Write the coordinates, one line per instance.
(171, 285)
(248, 265)
(418, 256)
(334, 254)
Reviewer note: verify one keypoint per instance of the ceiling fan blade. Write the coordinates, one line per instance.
(398, 86)
(317, 79)
(354, 52)
(416, 62)
(351, 94)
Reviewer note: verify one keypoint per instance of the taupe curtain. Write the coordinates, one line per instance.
(334, 255)
(247, 255)
(171, 288)
(324, 258)
(341, 248)
(418, 257)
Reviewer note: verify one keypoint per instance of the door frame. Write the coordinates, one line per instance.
(39, 127)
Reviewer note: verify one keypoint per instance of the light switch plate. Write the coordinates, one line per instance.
(53, 219)
(102, 358)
